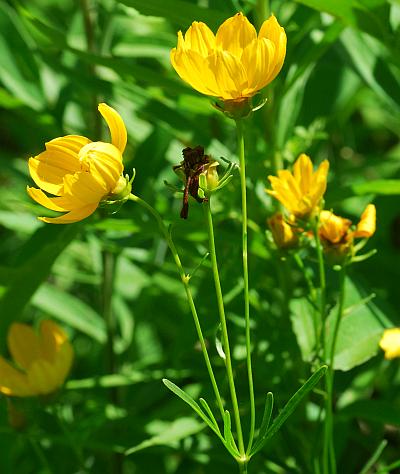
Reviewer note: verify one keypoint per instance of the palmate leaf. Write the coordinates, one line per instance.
(288, 409)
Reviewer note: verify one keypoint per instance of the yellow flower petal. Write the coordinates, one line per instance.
(105, 163)
(60, 204)
(390, 343)
(367, 225)
(71, 217)
(333, 228)
(52, 337)
(200, 38)
(235, 34)
(229, 74)
(84, 187)
(47, 177)
(303, 172)
(272, 30)
(116, 126)
(42, 376)
(23, 344)
(13, 382)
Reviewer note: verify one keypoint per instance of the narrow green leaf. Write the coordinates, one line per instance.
(269, 404)
(173, 433)
(228, 436)
(289, 408)
(378, 186)
(209, 412)
(374, 458)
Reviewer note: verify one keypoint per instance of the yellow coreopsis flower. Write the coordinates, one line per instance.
(79, 172)
(390, 343)
(42, 360)
(235, 63)
(301, 191)
(284, 234)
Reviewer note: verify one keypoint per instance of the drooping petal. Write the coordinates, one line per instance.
(24, 344)
(272, 30)
(116, 126)
(105, 163)
(235, 34)
(200, 38)
(229, 74)
(71, 217)
(367, 225)
(84, 187)
(60, 204)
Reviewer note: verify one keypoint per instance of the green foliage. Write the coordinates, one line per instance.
(338, 98)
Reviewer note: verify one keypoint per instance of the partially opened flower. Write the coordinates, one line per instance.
(301, 191)
(235, 63)
(42, 360)
(80, 173)
(332, 228)
(390, 343)
(284, 235)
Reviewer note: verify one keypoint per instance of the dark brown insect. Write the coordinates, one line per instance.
(193, 164)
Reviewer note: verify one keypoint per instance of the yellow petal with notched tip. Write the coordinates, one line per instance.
(24, 344)
(71, 217)
(235, 34)
(367, 225)
(200, 38)
(116, 126)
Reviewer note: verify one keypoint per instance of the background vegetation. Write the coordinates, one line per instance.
(337, 97)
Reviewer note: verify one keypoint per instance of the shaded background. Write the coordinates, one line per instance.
(337, 98)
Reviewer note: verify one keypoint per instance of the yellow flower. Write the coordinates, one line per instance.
(79, 172)
(333, 229)
(301, 191)
(390, 343)
(43, 360)
(367, 225)
(233, 64)
(283, 233)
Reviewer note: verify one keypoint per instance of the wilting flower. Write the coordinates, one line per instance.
(301, 191)
(42, 360)
(284, 234)
(195, 163)
(337, 235)
(79, 172)
(390, 343)
(235, 63)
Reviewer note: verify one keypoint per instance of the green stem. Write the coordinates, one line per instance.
(320, 342)
(329, 450)
(240, 139)
(225, 338)
(243, 467)
(40, 455)
(185, 280)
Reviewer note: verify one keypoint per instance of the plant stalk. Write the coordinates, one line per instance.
(240, 139)
(185, 281)
(225, 337)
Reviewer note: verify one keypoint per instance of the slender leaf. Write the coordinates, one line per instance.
(289, 408)
(269, 405)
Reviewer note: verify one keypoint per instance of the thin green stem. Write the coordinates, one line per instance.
(243, 467)
(40, 455)
(240, 139)
(329, 449)
(320, 342)
(185, 280)
(222, 317)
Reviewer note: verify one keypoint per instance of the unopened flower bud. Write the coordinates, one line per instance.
(284, 234)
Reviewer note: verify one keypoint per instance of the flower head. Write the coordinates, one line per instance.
(390, 343)
(78, 172)
(235, 63)
(43, 360)
(301, 191)
(337, 235)
(284, 235)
